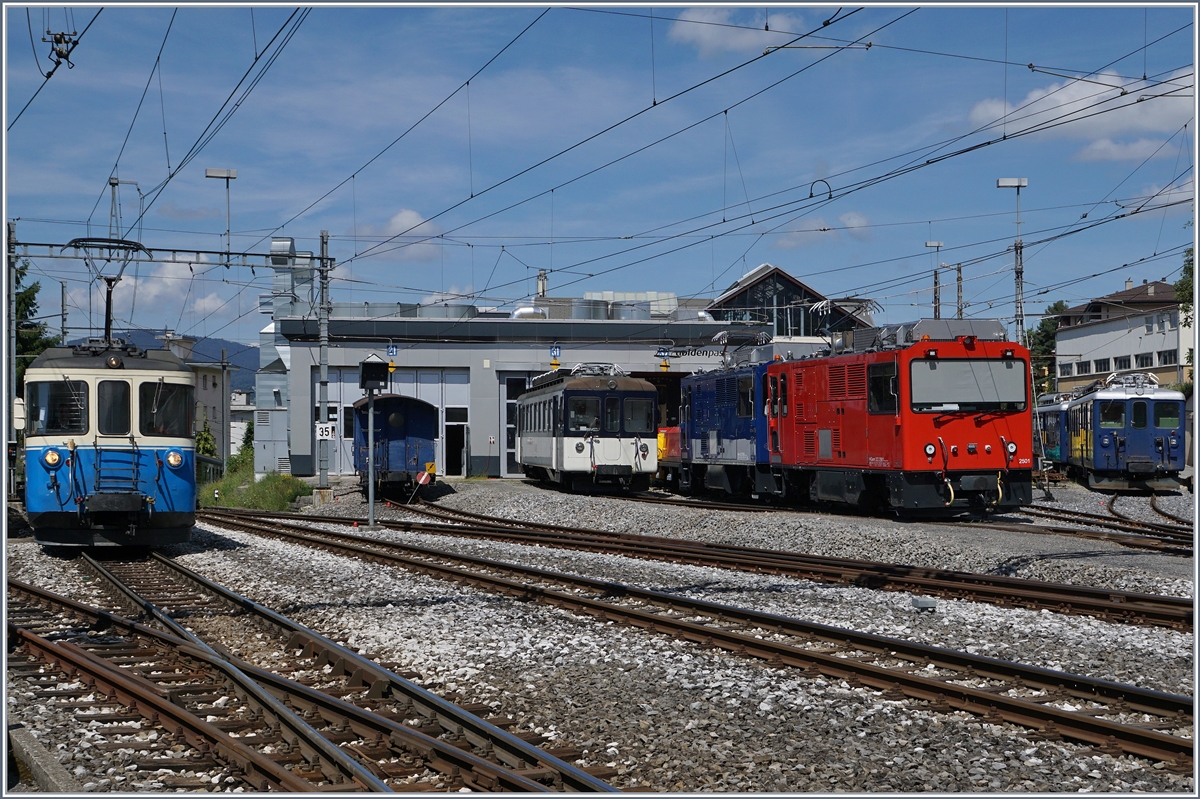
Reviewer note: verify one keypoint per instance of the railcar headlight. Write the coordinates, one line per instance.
(1104, 442)
(174, 459)
(51, 457)
(1011, 447)
(930, 449)
(579, 446)
(645, 450)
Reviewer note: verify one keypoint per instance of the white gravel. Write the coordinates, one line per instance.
(673, 716)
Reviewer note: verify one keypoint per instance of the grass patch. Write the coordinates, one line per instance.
(238, 489)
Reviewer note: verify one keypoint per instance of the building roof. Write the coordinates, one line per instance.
(1157, 294)
(857, 309)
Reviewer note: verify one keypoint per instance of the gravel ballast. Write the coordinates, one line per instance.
(669, 715)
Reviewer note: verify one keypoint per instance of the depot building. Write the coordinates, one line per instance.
(472, 363)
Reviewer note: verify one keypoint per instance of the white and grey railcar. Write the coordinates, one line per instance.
(591, 424)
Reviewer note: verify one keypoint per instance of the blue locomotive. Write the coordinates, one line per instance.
(406, 431)
(723, 445)
(1125, 433)
(109, 446)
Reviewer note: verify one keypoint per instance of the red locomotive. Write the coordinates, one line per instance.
(932, 416)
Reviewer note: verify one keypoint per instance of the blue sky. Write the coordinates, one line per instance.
(480, 209)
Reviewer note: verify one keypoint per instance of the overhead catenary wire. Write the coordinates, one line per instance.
(49, 75)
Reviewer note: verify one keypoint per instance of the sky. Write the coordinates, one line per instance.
(452, 152)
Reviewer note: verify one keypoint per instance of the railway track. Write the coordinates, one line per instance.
(1113, 718)
(1176, 519)
(1117, 606)
(393, 732)
(1166, 535)
(370, 690)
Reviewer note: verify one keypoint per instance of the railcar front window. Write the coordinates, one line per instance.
(639, 416)
(1166, 414)
(947, 386)
(1139, 414)
(1112, 414)
(59, 406)
(612, 414)
(583, 414)
(112, 406)
(165, 409)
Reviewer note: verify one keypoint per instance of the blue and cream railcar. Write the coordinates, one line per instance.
(406, 432)
(723, 437)
(109, 446)
(1049, 426)
(591, 424)
(1126, 434)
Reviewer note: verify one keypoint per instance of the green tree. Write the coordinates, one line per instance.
(244, 457)
(206, 442)
(31, 334)
(1041, 347)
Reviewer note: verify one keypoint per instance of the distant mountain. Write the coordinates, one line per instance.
(206, 350)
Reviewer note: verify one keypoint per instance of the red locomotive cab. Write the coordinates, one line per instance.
(941, 421)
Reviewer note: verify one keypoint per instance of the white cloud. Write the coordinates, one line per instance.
(408, 226)
(1080, 103)
(710, 39)
(453, 295)
(805, 233)
(1108, 150)
(857, 225)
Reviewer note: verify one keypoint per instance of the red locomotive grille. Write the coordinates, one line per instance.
(837, 382)
(810, 442)
(799, 406)
(837, 439)
(856, 381)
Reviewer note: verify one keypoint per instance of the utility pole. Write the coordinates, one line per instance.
(936, 246)
(1018, 266)
(63, 332)
(323, 322)
(225, 404)
(958, 269)
(937, 294)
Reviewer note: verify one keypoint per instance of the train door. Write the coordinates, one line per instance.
(556, 453)
(883, 416)
(1112, 425)
(771, 413)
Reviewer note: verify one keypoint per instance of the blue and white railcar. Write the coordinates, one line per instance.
(109, 446)
(1126, 433)
(593, 424)
(1049, 429)
(406, 432)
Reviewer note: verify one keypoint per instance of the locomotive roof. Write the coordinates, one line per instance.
(93, 355)
(1136, 384)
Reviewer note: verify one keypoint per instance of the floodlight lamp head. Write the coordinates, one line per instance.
(1012, 183)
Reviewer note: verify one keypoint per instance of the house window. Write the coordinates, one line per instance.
(1083, 368)
(1101, 365)
(1145, 360)
(204, 381)
(1174, 321)
(1149, 324)
(1065, 369)
(1168, 357)
(1121, 362)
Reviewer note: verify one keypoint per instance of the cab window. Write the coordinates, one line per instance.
(165, 409)
(745, 396)
(1166, 414)
(1112, 414)
(880, 380)
(58, 406)
(112, 407)
(583, 414)
(639, 416)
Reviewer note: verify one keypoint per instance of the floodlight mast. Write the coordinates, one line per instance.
(1018, 264)
(937, 286)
